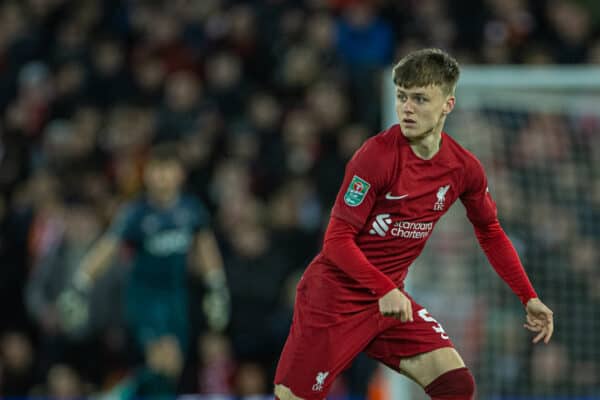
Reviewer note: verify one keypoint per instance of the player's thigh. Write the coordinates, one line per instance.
(150, 319)
(320, 346)
(420, 349)
(425, 368)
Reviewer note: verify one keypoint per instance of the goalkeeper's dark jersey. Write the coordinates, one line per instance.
(161, 239)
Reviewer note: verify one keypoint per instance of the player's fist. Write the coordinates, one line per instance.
(396, 305)
(540, 319)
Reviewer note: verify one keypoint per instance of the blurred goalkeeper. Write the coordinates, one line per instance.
(167, 230)
(396, 187)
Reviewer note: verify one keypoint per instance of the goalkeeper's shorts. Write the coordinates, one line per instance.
(150, 318)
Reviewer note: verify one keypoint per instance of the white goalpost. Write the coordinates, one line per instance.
(536, 130)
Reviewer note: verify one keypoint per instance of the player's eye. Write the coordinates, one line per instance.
(420, 99)
(402, 97)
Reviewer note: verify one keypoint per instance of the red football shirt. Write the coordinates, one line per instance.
(393, 200)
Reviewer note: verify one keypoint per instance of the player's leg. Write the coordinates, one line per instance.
(320, 345)
(441, 373)
(164, 356)
(425, 368)
(160, 373)
(283, 392)
(423, 351)
(153, 378)
(160, 331)
(311, 360)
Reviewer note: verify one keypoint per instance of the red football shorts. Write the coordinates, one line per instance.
(321, 343)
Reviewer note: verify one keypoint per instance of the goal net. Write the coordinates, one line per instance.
(537, 133)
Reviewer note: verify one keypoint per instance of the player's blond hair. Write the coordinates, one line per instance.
(426, 67)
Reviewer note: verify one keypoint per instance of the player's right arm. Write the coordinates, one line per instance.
(74, 302)
(99, 258)
(367, 174)
(340, 247)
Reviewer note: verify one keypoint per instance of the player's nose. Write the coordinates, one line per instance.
(407, 107)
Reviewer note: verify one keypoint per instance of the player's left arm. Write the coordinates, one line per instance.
(208, 264)
(481, 211)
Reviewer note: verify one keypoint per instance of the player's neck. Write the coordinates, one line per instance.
(164, 200)
(427, 147)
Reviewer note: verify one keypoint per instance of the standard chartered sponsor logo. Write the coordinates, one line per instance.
(402, 229)
(412, 230)
(381, 225)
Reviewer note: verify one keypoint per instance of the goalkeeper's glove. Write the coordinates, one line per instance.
(73, 304)
(216, 303)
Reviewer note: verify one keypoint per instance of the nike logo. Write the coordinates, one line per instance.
(389, 196)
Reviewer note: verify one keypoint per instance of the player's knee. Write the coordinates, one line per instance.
(154, 356)
(164, 356)
(172, 358)
(457, 384)
(284, 393)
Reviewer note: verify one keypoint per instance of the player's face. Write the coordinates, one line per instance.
(422, 110)
(163, 177)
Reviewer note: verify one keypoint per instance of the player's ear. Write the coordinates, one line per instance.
(448, 105)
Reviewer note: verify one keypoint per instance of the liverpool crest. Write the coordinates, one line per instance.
(441, 198)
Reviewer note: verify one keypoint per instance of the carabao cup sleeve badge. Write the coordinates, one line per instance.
(356, 192)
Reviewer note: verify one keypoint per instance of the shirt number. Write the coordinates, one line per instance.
(424, 314)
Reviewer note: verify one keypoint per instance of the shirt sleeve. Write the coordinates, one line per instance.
(340, 247)
(366, 175)
(481, 208)
(201, 217)
(500, 252)
(123, 226)
(504, 258)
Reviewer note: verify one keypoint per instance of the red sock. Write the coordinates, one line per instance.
(457, 384)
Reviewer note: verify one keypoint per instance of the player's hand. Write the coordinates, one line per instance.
(217, 309)
(396, 305)
(216, 303)
(540, 320)
(73, 306)
(74, 310)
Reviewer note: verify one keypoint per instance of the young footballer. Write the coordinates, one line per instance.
(396, 187)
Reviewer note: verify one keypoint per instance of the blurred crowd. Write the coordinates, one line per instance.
(266, 101)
